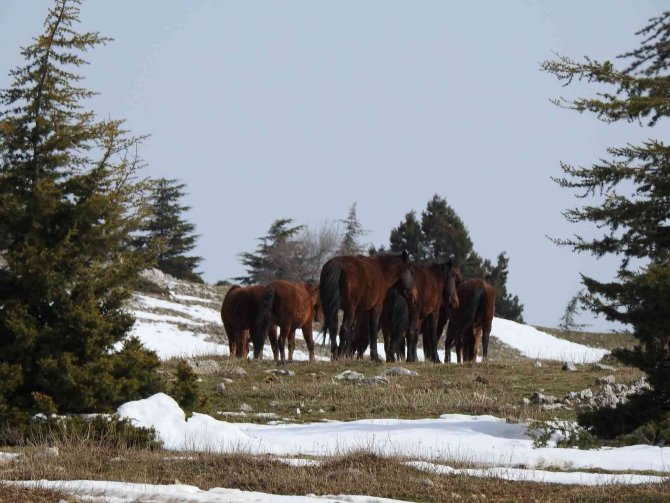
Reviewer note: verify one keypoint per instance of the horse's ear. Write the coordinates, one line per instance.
(405, 256)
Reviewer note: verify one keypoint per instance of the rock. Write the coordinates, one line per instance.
(481, 380)
(585, 394)
(606, 380)
(539, 398)
(297, 411)
(254, 388)
(400, 371)
(375, 380)
(274, 403)
(552, 406)
(204, 367)
(426, 482)
(236, 372)
(573, 395)
(280, 372)
(321, 411)
(350, 375)
(537, 364)
(227, 380)
(569, 366)
(355, 472)
(245, 407)
(602, 366)
(221, 387)
(526, 401)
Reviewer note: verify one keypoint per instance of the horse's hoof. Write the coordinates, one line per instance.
(376, 359)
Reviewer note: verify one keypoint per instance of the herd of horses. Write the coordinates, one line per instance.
(385, 291)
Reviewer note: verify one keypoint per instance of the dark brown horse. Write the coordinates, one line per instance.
(359, 284)
(471, 321)
(436, 284)
(394, 301)
(239, 312)
(289, 306)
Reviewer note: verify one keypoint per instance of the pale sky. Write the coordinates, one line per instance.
(299, 108)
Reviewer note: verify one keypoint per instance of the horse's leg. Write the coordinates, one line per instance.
(476, 340)
(272, 335)
(309, 340)
(347, 331)
(245, 343)
(232, 339)
(374, 328)
(291, 344)
(283, 336)
(389, 347)
(431, 327)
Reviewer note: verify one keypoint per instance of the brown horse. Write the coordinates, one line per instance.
(289, 306)
(436, 284)
(239, 312)
(471, 322)
(394, 300)
(358, 284)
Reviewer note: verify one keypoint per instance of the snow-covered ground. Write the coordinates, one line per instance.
(481, 440)
(118, 492)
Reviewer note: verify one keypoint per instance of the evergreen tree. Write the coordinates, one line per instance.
(168, 235)
(568, 321)
(352, 233)
(408, 236)
(631, 194)
(278, 255)
(69, 201)
(442, 235)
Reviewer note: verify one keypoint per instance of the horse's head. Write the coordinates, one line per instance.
(452, 276)
(408, 290)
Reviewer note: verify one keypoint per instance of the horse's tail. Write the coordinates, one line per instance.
(329, 291)
(264, 318)
(398, 317)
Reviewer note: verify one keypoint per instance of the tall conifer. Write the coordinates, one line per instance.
(69, 200)
(168, 235)
(630, 205)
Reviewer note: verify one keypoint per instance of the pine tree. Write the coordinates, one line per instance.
(168, 235)
(442, 235)
(278, 256)
(408, 236)
(568, 321)
(631, 203)
(353, 230)
(69, 201)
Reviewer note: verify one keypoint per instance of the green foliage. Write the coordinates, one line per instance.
(353, 231)
(441, 235)
(640, 420)
(277, 255)
(567, 321)
(567, 435)
(70, 199)
(167, 235)
(630, 191)
(185, 389)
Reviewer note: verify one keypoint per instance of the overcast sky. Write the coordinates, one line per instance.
(299, 108)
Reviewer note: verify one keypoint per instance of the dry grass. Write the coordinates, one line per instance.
(356, 473)
(487, 388)
(496, 387)
(601, 340)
